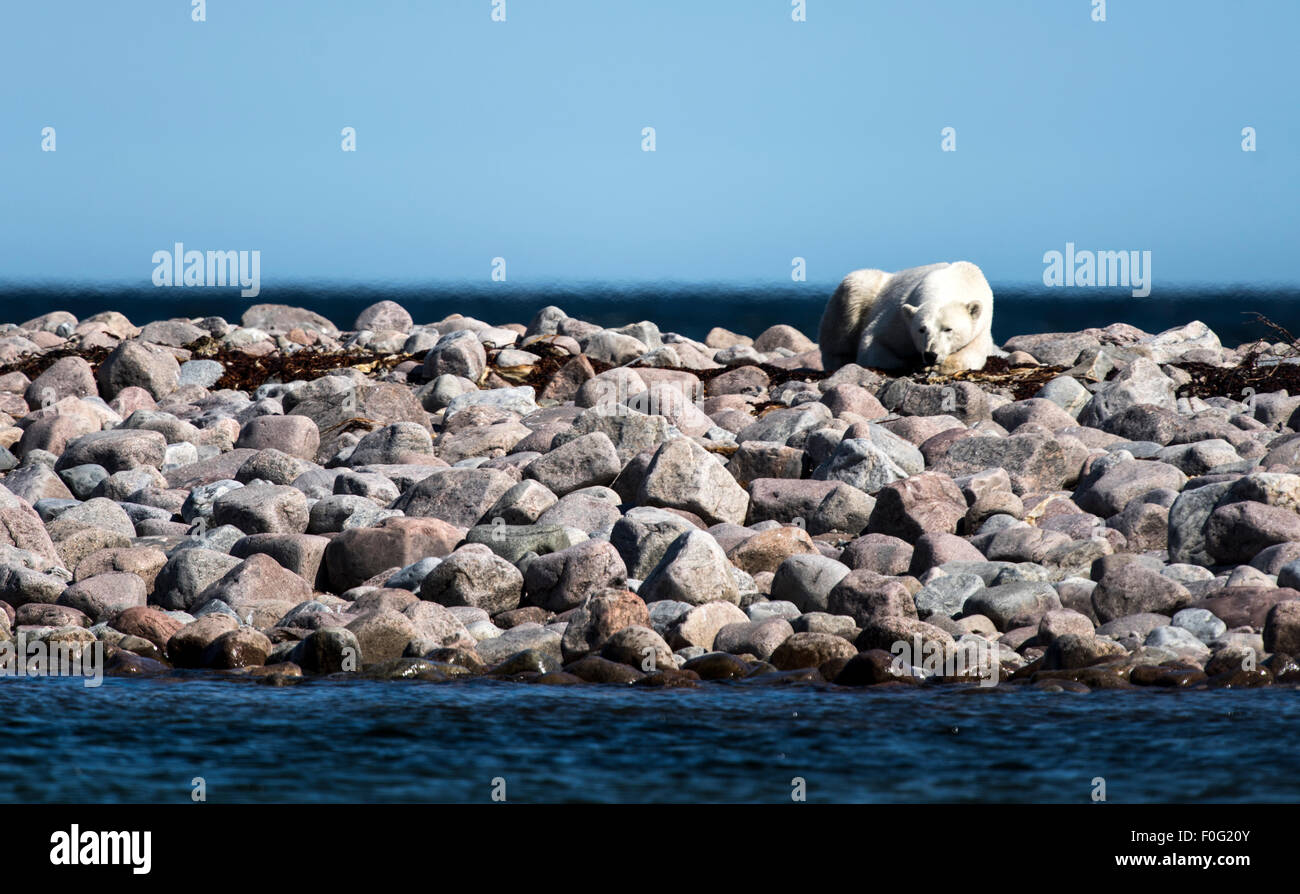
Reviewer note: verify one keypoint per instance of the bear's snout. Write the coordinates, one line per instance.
(931, 358)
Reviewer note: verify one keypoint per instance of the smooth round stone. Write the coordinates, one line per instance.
(203, 373)
(776, 608)
(1201, 623)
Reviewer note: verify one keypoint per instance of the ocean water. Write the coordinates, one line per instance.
(688, 309)
(145, 740)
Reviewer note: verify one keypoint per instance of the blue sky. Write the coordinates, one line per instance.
(522, 139)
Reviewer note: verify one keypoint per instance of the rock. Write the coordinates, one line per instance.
(890, 632)
(103, 596)
(65, 377)
(561, 580)
(599, 617)
(458, 354)
(1130, 589)
(187, 645)
(1176, 639)
(382, 634)
(698, 626)
(436, 624)
(1060, 622)
(694, 570)
(881, 553)
(147, 623)
(384, 315)
(1245, 606)
(1112, 486)
(643, 535)
(639, 647)
(263, 509)
(473, 575)
(295, 435)
(188, 573)
(594, 669)
(584, 462)
(460, 497)
(860, 463)
(116, 450)
(204, 373)
(1073, 650)
(1187, 521)
(1237, 532)
(1282, 628)
(328, 650)
(244, 647)
(1018, 604)
(683, 475)
(866, 596)
(811, 650)
(1141, 382)
(759, 459)
(946, 596)
(783, 336)
(257, 586)
(938, 548)
(358, 554)
(525, 636)
(1034, 462)
(766, 550)
(869, 668)
(908, 509)
(807, 580)
(522, 503)
(139, 364)
(301, 554)
(758, 638)
(1200, 623)
(276, 318)
(717, 666)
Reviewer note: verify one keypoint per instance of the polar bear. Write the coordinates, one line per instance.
(939, 316)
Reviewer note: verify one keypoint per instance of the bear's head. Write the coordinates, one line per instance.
(950, 310)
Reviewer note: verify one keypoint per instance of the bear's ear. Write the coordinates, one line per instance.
(974, 310)
(909, 311)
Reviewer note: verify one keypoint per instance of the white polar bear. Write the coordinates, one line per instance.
(939, 316)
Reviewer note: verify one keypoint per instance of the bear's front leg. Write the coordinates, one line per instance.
(971, 357)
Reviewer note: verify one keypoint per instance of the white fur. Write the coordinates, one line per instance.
(939, 316)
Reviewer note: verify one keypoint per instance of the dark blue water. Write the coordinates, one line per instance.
(688, 309)
(359, 741)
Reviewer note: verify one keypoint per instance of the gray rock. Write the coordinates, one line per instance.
(695, 570)
(1020, 604)
(513, 542)
(683, 475)
(474, 576)
(525, 636)
(947, 595)
(561, 580)
(583, 462)
(1201, 623)
(203, 373)
(806, 581)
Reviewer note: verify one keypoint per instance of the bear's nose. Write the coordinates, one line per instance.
(931, 357)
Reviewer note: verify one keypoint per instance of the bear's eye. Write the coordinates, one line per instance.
(946, 329)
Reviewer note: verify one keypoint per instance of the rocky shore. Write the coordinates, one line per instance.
(563, 503)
